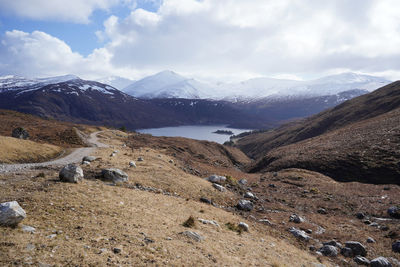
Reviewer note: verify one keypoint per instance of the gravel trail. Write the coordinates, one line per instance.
(74, 157)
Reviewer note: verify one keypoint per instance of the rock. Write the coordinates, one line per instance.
(11, 214)
(296, 218)
(322, 211)
(89, 158)
(171, 161)
(140, 159)
(208, 222)
(249, 195)
(242, 181)
(216, 179)
(205, 200)
(245, 205)
(272, 185)
(117, 250)
(28, 229)
(328, 250)
(71, 173)
(333, 243)
(265, 221)
(394, 212)
(299, 234)
(85, 163)
(20, 133)
(132, 164)
(370, 240)
(361, 260)
(243, 226)
(114, 175)
(360, 215)
(347, 252)
(380, 262)
(219, 187)
(396, 246)
(357, 248)
(193, 235)
(308, 231)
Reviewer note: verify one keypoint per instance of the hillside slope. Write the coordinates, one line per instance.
(357, 109)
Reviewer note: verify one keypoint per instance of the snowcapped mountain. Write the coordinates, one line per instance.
(13, 82)
(116, 81)
(168, 84)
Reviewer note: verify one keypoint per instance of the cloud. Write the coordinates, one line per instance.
(77, 11)
(229, 38)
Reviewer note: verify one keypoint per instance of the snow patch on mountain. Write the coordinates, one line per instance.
(116, 81)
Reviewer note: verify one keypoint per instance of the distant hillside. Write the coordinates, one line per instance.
(357, 140)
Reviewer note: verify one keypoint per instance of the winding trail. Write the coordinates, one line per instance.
(74, 157)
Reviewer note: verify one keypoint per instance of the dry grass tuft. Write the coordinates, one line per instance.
(190, 222)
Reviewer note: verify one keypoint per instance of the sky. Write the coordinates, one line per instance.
(227, 40)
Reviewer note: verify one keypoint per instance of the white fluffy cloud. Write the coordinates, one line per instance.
(77, 11)
(228, 38)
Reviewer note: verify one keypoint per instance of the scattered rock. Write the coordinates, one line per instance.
(193, 235)
(132, 164)
(296, 218)
(367, 222)
(272, 185)
(357, 248)
(85, 163)
(89, 158)
(117, 250)
(308, 231)
(299, 234)
(243, 226)
(20, 133)
(140, 159)
(328, 250)
(394, 212)
(361, 260)
(71, 173)
(322, 211)
(360, 215)
(216, 179)
(171, 161)
(370, 240)
(249, 195)
(396, 246)
(333, 243)
(380, 262)
(11, 214)
(347, 252)
(242, 181)
(28, 229)
(203, 221)
(219, 187)
(114, 175)
(265, 221)
(245, 205)
(205, 200)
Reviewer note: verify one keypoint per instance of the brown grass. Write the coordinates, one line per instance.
(15, 150)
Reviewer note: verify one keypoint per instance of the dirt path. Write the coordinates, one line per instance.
(74, 157)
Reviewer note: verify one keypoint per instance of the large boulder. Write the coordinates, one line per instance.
(20, 133)
(114, 175)
(394, 212)
(300, 234)
(71, 173)
(11, 214)
(193, 235)
(216, 179)
(328, 250)
(357, 248)
(380, 262)
(245, 205)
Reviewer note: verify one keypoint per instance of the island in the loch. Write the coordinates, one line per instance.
(227, 132)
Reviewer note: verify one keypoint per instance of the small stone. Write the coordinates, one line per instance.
(272, 185)
(51, 236)
(171, 161)
(322, 211)
(29, 229)
(362, 261)
(71, 173)
(308, 231)
(203, 221)
(20, 133)
(205, 200)
(117, 250)
(299, 234)
(245, 205)
(242, 181)
(193, 235)
(396, 246)
(140, 159)
(86, 163)
(360, 215)
(367, 222)
(370, 240)
(296, 218)
(357, 248)
(328, 250)
(132, 164)
(265, 221)
(88, 158)
(243, 226)
(333, 243)
(249, 195)
(380, 262)
(216, 179)
(11, 214)
(394, 212)
(219, 187)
